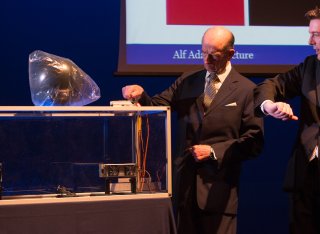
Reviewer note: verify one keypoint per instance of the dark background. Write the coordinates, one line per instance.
(286, 12)
(87, 32)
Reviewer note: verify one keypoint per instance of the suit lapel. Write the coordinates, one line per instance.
(227, 88)
(317, 109)
(200, 89)
(318, 83)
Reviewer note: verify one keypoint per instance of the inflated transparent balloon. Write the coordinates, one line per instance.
(57, 81)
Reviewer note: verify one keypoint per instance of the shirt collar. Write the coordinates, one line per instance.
(222, 76)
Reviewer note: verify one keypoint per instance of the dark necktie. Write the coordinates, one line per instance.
(210, 90)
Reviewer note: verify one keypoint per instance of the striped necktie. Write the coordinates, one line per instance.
(210, 90)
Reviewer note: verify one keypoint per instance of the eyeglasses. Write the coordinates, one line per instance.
(215, 55)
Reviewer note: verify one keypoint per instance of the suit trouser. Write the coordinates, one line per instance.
(305, 214)
(192, 220)
(207, 224)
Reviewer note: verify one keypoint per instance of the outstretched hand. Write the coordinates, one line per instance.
(279, 110)
(132, 92)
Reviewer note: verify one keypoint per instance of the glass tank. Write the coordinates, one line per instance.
(70, 151)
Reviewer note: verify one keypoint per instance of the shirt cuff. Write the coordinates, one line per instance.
(262, 108)
(212, 154)
(315, 153)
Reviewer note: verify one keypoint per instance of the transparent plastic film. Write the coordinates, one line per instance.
(57, 81)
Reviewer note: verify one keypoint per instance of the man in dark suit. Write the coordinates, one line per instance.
(213, 139)
(302, 178)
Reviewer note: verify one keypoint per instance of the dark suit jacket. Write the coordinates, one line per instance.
(229, 126)
(303, 81)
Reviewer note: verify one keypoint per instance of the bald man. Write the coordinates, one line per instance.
(217, 132)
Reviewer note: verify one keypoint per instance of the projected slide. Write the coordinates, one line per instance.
(205, 12)
(168, 32)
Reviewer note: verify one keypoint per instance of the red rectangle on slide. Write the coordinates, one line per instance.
(205, 12)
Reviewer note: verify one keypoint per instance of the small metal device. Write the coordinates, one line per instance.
(116, 171)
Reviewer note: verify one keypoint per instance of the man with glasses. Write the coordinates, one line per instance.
(302, 178)
(217, 132)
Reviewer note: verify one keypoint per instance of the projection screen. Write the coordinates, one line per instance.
(163, 37)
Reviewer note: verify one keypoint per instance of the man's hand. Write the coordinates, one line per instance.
(132, 92)
(200, 152)
(279, 110)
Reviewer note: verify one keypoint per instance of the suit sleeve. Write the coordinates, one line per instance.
(278, 89)
(166, 97)
(250, 142)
